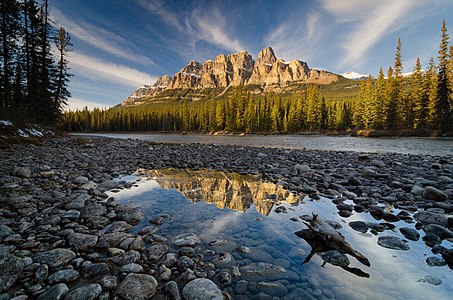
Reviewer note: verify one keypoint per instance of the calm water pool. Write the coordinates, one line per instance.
(242, 210)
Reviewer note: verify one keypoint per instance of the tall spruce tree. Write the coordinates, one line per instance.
(431, 82)
(419, 97)
(379, 120)
(443, 118)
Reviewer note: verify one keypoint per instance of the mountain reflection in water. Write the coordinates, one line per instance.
(225, 190)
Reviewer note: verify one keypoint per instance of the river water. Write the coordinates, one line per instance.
(242, 211)
(424, 146)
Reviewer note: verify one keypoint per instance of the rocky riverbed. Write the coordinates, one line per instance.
(63, 237)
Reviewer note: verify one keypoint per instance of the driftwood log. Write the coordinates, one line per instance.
(322, 236)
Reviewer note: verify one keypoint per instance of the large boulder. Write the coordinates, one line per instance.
(55, 258)
(11, 267)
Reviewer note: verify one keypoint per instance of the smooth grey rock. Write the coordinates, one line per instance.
(274, 289)
(93, 270)
(86, 292)
(170, 260)
(11, 267)
(118, 226)
(54, 258)
(431, 193)
(187, 240)
(392, 242)
(154, 253)
(131, 268)
(80, 180)
(222, 245)
(132, 215)
(410, 233)
(434, 261)
(137, 287)
(23, 172)
(201, 289)
(81, 241)
(359, 226)
(56, 292)
(41, 272)
(92, 210)
(426, 217)
(185, 262)
(440, 231)
(65, 275)
(172, 288)
(109, 282)
(335, 258)
(431, 280)
(263, 271)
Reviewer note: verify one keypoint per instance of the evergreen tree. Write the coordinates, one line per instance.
(379, 120)
(443, 118)
(419, 97)
(431, 82)
(313, 107)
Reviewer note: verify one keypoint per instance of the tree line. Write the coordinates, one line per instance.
(34, 72)
(424, 100)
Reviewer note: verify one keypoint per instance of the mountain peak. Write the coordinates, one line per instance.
(268, 72)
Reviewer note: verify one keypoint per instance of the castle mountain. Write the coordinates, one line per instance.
(266, 73)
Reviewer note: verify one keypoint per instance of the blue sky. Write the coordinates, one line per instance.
(120, 45)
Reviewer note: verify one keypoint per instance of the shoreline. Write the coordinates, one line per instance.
(53, 197)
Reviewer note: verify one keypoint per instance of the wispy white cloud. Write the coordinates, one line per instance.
(212, 27)
(75, 103)
(298, 39)
(371, 21)
(100, 70)
(203, 23)
(98, 37)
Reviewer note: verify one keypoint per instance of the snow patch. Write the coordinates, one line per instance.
(354, 75)
(34, 132)
(23, 133)
(6, 123)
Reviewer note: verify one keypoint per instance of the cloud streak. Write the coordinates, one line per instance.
(206, 24)
(294, 39)
(98, 38)
(99, 70)
(371, 21)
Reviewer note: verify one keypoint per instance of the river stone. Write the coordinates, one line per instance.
(54, 258)
(262, 271)
(201, 289)
(185, 262)
(170, 259)
(137, 287)
(222, 245)
(274, 289)
(154, 253)
(359, 226)
(65, 275)
(392, 242)
(80, 180)
(11, 267)
(431, 193)
(187, 239)
(23, 172)
(56, 292)
(172, 288)
(93, 270)
(118, 226)
(109, 282)
(440, 231)
(447, 255)
(431, 280)
(86, 292)
(434, 261)
(131, 268)
(410, 233)
(426, 217)
(82, 241)
(224, 260)
(132, 215)
(335, 258)
(92, 210)
(431, 239)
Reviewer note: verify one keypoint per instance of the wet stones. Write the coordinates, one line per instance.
(11, 267)
(426, 217)
(86, 292)
(186, 240)
(359, 226)
(431, 193)
(63, 276)
(265, 270)
(335, 258)
(410, 233)
(81, 241)
(132, 215)
(55, 258)
(154, 253)
(392, 242)
(137, 287)
(56, 292)
(201, 289)
(434, 261)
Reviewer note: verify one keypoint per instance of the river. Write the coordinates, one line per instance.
(409, 145)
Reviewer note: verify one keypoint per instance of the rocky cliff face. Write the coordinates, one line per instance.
(267, 71)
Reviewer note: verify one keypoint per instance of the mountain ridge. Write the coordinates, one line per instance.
(268, 73)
